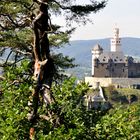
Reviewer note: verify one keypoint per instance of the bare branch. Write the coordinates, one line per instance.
(24, 53)
(4, 28)
(45, 117)
(79, 9)
(10, 18)
(29, 8)
(8, 57)
(2, 78)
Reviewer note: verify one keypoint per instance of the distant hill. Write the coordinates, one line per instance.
(81, 51)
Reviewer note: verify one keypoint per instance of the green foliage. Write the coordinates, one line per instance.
(120, 124)
(17, 16)
(16, 27)
(128, 91)
(117, 96)
(74, 12)
(76, 122)
(14, 24)
(111, 89)
(16, 90)
(63, 61)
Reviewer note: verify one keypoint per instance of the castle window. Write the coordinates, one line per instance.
(123, 70)
(131, 73)
(112, 70)
(103, 59)
(120, 59)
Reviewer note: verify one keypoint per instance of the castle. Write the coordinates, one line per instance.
(113, 67)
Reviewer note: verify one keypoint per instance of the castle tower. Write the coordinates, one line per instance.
(96, 51)
(116, 41)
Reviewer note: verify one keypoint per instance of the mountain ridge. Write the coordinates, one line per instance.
(81, 50)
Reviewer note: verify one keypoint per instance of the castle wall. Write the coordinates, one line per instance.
(134, 70)
(118, 70)
(110, 70)
(100, 70)
(125, 82)
(105, 82)
(114, 64)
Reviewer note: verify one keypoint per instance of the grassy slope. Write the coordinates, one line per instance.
(122, 96)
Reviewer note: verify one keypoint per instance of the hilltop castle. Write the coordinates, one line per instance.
(113, 67)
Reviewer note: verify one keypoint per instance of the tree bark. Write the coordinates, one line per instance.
(43, 71)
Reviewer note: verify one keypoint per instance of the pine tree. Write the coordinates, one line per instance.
(16, 24)
(18, 21)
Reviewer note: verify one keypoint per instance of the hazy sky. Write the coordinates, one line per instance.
(123, 13)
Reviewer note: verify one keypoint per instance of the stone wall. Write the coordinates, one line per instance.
(119, 82)
(131, 70)
(111, 70)
(134, 70)
(101, 71)
(94, 80)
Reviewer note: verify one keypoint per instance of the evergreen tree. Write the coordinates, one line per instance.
(16, 24)
(16, 33)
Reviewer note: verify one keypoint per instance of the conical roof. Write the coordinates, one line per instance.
(97, 47)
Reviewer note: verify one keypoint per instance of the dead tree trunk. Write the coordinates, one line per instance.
(44, 66)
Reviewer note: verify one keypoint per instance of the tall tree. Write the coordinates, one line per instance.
(18, 18)
(16, 23)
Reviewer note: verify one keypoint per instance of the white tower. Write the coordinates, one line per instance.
(116, 41)
(96, 51)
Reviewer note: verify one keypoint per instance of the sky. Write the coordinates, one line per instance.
(124, 14)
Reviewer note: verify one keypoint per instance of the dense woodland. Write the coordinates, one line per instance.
(69, 119)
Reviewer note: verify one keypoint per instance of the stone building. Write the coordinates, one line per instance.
(113, 67)
(113, 63)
